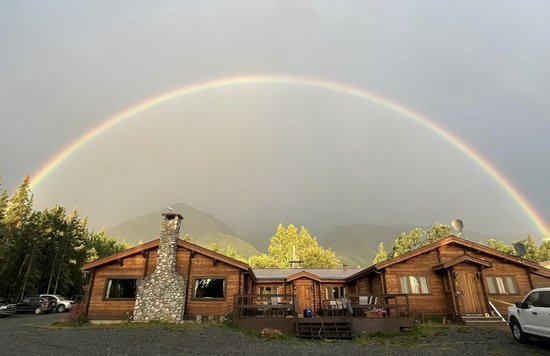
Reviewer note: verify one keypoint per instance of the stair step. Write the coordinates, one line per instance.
(480, 318)
(327, 330)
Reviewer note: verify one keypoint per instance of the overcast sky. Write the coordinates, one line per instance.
(256, 155)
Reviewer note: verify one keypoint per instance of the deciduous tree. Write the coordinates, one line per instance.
(290, 245)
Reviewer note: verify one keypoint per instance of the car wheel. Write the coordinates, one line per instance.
(60, 308)
(38, 310)
(518, 333)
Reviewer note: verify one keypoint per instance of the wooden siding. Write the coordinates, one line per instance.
(134, 267)
(203, 266)
(375, 285)
(540, 281)
(101, 308)
(438, 301)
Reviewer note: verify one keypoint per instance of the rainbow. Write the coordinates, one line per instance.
(491, 170)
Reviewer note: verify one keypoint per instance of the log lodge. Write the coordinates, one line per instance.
(171, 279)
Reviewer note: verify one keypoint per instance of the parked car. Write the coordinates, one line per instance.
(531, 317)
(63, 304)
(6, 308)
(38, 305)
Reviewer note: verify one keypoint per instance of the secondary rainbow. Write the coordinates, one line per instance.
(492, 171)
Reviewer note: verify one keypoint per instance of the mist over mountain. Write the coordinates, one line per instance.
(203, 228)
(355, 244)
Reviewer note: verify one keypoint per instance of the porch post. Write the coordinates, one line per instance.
(483, 289)
(453, 292)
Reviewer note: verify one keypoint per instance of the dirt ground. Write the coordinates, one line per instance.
(33, 334)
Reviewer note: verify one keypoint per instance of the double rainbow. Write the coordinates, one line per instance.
(492, 171)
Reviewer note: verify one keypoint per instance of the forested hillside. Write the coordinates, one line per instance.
(43, 251)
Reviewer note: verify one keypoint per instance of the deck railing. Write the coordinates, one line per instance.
(266, 305)
(384, 305)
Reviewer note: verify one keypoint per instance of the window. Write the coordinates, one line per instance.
(501, 285)
(545, 300)
(533, 299)
(413, 284)
(268, 290)
(209, 288)
(121, 288)
(334, 292)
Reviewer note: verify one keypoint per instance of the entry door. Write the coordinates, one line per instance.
(304, 294)
(470, 289)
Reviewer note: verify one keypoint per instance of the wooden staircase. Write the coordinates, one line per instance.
(317, 328)
(481, 318)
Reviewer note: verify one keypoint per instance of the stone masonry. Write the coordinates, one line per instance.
(161, 295)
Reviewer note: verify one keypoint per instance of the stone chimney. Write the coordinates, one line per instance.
(161, 295)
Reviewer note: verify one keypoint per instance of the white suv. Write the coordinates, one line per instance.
(532, 316)
(62, 303)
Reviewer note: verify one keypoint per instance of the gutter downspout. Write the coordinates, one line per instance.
(191, 255)
(89, 291)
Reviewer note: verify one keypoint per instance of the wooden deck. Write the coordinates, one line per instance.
(345, 318)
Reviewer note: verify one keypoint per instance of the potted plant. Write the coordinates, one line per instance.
(377, 313)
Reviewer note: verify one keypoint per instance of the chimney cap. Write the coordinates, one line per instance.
(171, 215)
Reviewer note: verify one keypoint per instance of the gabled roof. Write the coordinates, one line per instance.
(322, 273)
(154, 244)
(303, 274)
(460, 259)
(535, 267)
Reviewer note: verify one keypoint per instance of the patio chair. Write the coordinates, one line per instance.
(333, 307)
(347, 305)
(275, 312)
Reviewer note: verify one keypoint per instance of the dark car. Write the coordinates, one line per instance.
(36, 305)
(6, 308)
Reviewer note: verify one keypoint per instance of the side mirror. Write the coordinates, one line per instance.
(521, 305)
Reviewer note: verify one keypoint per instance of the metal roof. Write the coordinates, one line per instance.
(323, 273)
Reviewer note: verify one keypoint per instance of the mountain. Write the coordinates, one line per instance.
(203, 228)
(356, 244)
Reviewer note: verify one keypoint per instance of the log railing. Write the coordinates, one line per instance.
(384, 305)
(265, 305)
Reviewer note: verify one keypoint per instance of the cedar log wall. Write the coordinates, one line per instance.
(440, 302)
(437, 301)
(134, 267)
(320, 293)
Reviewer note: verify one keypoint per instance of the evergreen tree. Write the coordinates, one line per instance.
(381, 254)
(19, 206)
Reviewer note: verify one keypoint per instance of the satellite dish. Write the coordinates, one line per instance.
(520, 249)
(458, 225)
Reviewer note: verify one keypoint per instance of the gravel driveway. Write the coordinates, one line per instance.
(31, 334)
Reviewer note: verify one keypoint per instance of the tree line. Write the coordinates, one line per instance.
(43, 251)
(408, 241)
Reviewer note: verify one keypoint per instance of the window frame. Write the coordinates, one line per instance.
(504, 281)
(273, 287)
(340, 288)
(409, 286)
(211, 299)
(106, 287)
